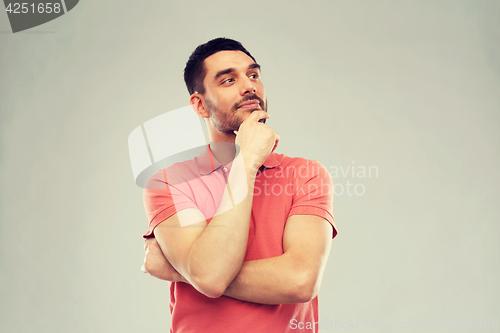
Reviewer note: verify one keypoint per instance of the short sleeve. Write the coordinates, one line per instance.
(314, 195)
(162, 200)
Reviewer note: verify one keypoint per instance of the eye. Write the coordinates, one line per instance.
(229, 80)
(254, 76)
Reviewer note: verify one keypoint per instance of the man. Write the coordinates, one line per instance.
(244, 244)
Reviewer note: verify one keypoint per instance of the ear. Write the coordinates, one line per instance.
(197, 102)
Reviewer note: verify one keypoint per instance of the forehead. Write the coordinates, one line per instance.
(226, 59)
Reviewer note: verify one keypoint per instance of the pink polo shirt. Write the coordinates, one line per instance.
(284, 187)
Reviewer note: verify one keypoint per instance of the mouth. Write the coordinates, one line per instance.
(252, 104)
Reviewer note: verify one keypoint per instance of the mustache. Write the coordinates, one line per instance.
(248, 98)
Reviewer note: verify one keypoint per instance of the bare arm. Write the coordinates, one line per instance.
(293, 277)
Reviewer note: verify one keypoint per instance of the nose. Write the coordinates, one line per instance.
(248, 87)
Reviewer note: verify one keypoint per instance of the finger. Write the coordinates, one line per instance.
(277, 140)
(258, 115)
(275, 146)
(148, 241)
(154, 246)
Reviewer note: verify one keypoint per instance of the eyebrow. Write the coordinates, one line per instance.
(230, 70)
(254, 65)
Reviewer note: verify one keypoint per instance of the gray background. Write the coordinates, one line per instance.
(411, 87)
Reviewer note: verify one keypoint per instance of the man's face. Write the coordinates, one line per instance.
(233, 89)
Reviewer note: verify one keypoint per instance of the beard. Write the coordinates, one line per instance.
(228, 122)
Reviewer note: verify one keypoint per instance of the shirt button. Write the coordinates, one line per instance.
(224, 169)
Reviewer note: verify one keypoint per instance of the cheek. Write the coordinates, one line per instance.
(220, 101)
(213, 99)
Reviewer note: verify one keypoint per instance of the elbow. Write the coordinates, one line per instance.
(210, 288)
(306, 296)
(209, 281)
(307, 289)
(213, 291)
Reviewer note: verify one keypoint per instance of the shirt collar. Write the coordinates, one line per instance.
(207, 163)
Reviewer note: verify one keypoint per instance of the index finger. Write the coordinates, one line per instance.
(148, 242)
(258, 115)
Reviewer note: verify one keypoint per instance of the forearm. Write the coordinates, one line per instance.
(216, 256)
(277, 280)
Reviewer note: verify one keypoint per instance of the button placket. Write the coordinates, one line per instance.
(228, 188)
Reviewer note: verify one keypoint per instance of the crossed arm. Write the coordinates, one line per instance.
(211, 256)
(293, 277)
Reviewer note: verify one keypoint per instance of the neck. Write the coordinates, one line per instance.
(224, 152)
(221, 144)
(216, 136)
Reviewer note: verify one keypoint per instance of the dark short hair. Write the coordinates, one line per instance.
(195, 71)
